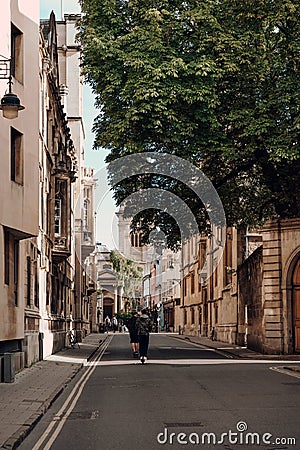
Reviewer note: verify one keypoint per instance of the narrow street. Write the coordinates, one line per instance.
(117, 403)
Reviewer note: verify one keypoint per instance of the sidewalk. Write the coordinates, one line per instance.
(235, 351)
(25, 401)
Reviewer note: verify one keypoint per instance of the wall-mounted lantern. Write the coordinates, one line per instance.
(10, 102)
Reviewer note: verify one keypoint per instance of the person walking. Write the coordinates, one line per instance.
(107, 323)
(134, 340)
(143, 328)
(114, 323)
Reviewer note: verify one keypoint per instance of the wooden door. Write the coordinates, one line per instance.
(296, 307)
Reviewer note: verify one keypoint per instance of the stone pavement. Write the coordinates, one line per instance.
(24, 402)
(236, 351)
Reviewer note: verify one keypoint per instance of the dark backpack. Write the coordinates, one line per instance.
(143, 326)
(131, 324)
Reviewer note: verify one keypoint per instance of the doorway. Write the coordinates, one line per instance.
(296, 307)
(108, 311)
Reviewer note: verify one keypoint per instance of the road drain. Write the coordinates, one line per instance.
(84, 415)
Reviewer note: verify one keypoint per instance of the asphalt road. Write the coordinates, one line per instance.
(175, 400)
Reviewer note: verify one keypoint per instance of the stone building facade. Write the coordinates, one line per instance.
(251, 296)
(58, 172)
(45, 236)
(269, 293)
(109, 300)
(19, 179)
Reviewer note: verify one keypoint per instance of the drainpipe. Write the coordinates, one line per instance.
(280, 282)
(247, 242)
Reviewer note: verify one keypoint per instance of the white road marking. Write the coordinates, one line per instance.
(67, 359)
(229, 348)
(286, 371)
(199, 349)
(70, 403)
(186, 348)
(202, 347)
(212, 362)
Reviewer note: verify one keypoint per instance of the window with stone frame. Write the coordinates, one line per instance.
(86, 214)
(192, 315)
(16, 156)
(28, 287)
(36, 284)
(193, 282)
(185, 317)
(184, 287)
(57, 216)
(228, 259)
(7, 237)
(135, 239)
(202, 260)
(60, 213)
(16, 63)
(11, 264)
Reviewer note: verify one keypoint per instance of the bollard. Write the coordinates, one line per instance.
(41, 347)
(9, 368)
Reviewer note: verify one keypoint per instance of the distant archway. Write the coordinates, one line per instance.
(108, 307)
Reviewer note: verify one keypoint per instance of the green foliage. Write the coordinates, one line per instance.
(124, 266)
(129, 273)
(214, 82)
(123, 316)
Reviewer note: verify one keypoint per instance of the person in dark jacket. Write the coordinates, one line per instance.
(143, 328)
(134, 340)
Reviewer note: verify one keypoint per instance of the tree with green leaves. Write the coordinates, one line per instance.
(129, 275)
(214, 82)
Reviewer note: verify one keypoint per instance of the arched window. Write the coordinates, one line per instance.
(135, 238)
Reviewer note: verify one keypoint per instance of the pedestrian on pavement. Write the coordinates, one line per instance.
(143, 328)
(73, 338)
(134, 340)
(107, 323)
(115, 324)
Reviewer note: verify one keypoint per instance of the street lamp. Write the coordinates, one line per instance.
(10, 102)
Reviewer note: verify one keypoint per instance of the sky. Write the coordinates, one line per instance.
(106, 226)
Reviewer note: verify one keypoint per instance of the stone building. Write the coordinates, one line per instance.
(109, 301)
(269, 286)
(47, 226)
(68, 50)
(251, 295)
(131, 248)
(167, 289)
(210, 291)
(19, 180)
(160, 287)
(57, 174)
(88, 186)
